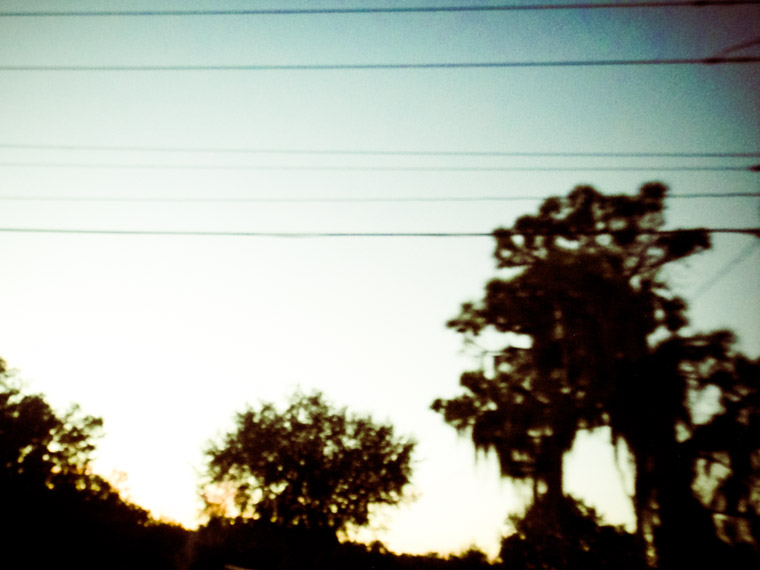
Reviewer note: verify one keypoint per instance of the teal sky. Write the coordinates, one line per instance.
(167, 336)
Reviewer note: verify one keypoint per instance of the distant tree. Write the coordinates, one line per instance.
(37, 447)
(593, 341)
(309, 466)
(576, 539)
(258, 544)
(55, 511)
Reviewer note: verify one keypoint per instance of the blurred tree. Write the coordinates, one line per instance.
(247, 543)
(309, 466)
(36, 446)
(55, 511)
(585, 299)
(591, 330)
(703, 483)
(577, 539)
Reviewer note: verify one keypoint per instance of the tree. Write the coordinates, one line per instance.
(599, 346)
(586, 263)
(577, 539)
(309, 466)
(51, 500)
(707, 478)
(36, 446)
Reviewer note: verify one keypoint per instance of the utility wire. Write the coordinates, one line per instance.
(715, 60)
(343, 168)
(738, 47)
(374, 152)
(311, 235)
(324, 199)
(376, 10)
(726, 269)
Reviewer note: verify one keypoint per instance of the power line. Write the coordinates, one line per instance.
(327, 199)
(726, 269)
(376, 10)
(344, 168)
(738, 47)
(313, 235)
(386, 66)
(375, 152)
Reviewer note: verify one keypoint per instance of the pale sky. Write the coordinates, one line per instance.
(166, 337)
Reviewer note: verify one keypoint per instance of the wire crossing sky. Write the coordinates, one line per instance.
(386, 152)
(383, 10)
(745, 253)
(328, 199)
(296, 167)
(714, 60)
(746, 231)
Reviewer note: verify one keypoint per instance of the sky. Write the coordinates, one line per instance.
(167, 336)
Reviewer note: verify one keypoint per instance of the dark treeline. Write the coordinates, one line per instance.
(602, 343)
(56, 513)
(248, 543)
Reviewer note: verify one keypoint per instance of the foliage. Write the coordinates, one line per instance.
(249, 543)
(600, 345)
(588, 263)
(252, 543)
(36, 446)
(704, 483)
(574, 539)
(56, 512)
(309, 466)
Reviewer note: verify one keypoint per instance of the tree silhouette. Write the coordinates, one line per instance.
(576, 539)
(593, 342)
(703, 485)
(55, 511)
(310, 467)
(38, 448)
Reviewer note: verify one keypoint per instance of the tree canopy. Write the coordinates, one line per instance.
(572, 536)
(55, 511)
(36, 445)
(601, 345)
(308, 466)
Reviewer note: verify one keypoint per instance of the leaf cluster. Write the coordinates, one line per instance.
(37, 445)
(55, 511)
(309, 465)
(572, 536)
(588, 296)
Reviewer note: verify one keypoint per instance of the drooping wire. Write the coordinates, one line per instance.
(340, 199)
(713, 60)
(377, 10)
(726, 269)
(312, 235)
(346, 168)
(375, 152)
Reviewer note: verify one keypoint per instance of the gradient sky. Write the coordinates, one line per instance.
(166, 337)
